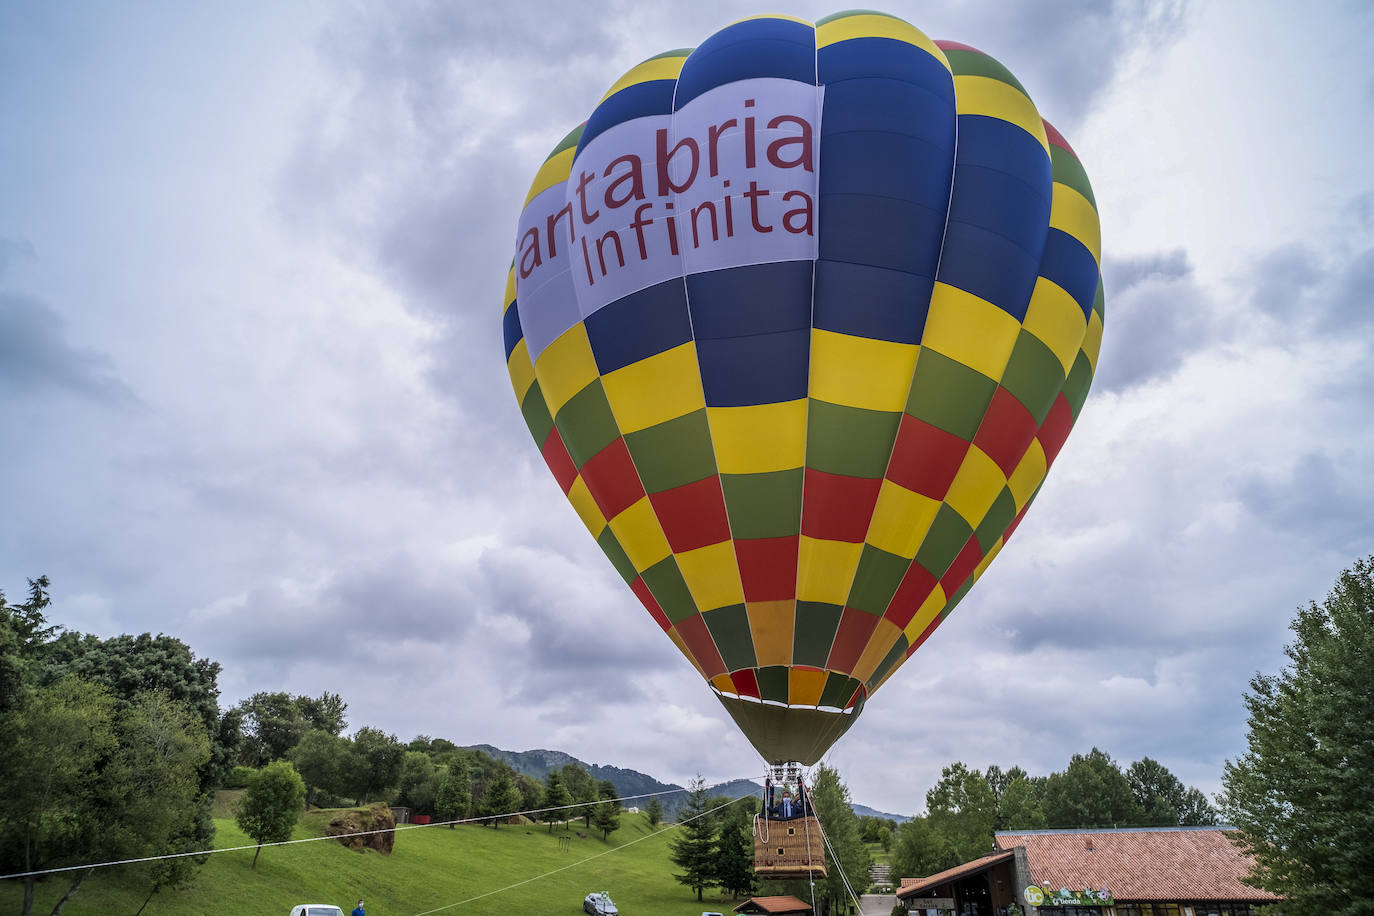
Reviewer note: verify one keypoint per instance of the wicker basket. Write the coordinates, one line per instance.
(781, 848)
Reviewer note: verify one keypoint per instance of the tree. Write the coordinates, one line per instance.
(531, 793)
(454, 797)
(321, 759)
(502, 797)
(271, 805)
(920, 850)
(418, 784)
(582, 788)
(1164, 801)
(1019, 808)
(830, 797)
(654, 811)
(1091, 792)
(325, 712)
(556, 799)
(23, 631)
(1302, 794)
(734, 869)
(376, 765)
(606, 814)
(693, 849)
(272, 725)
(962, 807)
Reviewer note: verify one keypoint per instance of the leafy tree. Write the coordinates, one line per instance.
(272, 725)
(998, 779)
(1019, 807)
(271, 805)
(830, 797)
(693, 849)
(1164, 800)
(962, 807)
(419, 782)
(1303, 792)
(556, 798)
(654, 811)
(734, 868)
(582, 788)
(920, 850)
(455, 793)
(321, 759)
(502, 797)
(376, 765)
(1091, 792)
(531, 793)
(325, 712)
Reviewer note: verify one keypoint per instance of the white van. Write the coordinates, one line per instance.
(315, 909)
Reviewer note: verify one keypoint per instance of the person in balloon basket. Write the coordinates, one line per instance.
(786, 804)
(358, 910)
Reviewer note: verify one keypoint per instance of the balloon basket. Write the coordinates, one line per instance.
(788, 849)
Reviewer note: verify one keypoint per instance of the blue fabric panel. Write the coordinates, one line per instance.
(1069, 263)
(746, 50)
(640, 100)
(988, 266)
(881, 232)
(510, 327)
(996, 144)
(871, 301)
(890, 105)
(1000, 203)
(761, 369)
(883, 57)
(754, 299)
(886, 165)
(639, 325)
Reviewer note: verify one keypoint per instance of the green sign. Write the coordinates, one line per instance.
(1065, 897)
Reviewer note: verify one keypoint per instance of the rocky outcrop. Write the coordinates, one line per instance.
(376, 817)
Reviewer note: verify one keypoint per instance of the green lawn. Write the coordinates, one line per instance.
(429, 869)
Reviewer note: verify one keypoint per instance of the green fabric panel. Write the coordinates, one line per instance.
(1079, 381)
(893, 657)
(976, 63)
(949, 395)
(611, 547)
(838, 689)
(670, 590)
(996, 521)
(876, 580)
(536, 413)
(814, 632)
(955, 598)
(772, 682)
(1034, 375)
(587, 424)
(1069, 171)
(763, 505)
(679, 52)
(845, 14)
(849, 441)
(1100, 299)
(673, 453)
(567, 142)
(729, 627)
(947, 536)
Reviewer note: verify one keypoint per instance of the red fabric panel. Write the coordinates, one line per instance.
(745, 682)
(612, 479)
(851, 638)
(1055, 430)
(962, 567)
(768, 567)
(837, 508)
(692, 515)
(925, 459)
(559, 461)
(1006, 431)
(647, 599)
(916, 587)
(702, 646)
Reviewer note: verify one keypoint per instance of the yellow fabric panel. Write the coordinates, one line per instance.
(1028, 475)
(1071, 212)
(930, 609)
(901, 520)
(970, 330)
(676, 637)
(984, 563)
(983, 95)
(879, 644)
(772, 625)
(877, 26)
(521, 370)
(825, 569)
(510, 289)
(1092, 341)
(639, 533)
(1057, 320)
(976, 486)
(659, 68)
(860, 371)
(566, 367)
(724, 684)
(759, 438)
(555, 169)
(804, 686)
(656, 389)
(587, 509)
(712, 575)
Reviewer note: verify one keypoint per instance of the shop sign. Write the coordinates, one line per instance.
(1044, 895)
(930, 903)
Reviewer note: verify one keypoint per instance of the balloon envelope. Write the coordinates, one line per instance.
(799, 320)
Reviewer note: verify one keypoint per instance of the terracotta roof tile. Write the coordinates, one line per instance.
(1159, 863)
(913, 887)
(784, 904)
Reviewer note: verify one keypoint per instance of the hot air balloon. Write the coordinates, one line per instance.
(799, 320)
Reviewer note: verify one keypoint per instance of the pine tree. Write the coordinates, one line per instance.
(734, 870)
(455, 793)
(502, 797)
(654, 811)
(693, 849)
(556, 799)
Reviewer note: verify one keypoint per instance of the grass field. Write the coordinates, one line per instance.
(466, 870)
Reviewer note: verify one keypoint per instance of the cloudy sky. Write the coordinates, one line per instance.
(252, 388)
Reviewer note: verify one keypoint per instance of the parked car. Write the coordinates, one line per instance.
(598, 903)
(315, 909)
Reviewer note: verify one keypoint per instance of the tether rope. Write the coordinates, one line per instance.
(342, 836)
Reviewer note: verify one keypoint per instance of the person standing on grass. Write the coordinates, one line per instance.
(358, 910)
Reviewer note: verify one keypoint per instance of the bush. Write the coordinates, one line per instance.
(239, 777)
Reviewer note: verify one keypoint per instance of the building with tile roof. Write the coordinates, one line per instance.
(1146, 871)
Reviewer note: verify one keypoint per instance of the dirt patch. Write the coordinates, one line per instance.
(362, 820)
